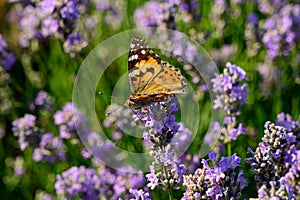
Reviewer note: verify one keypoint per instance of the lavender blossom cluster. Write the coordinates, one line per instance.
(275, 164)
(5, 98)
(67, 119)
(7, 59)
(159, 118)
(112, 11)
(164, 16)
(99, 182)
(45, 146)
(292, 125)
(215, 179)
(43, 100)
(231, 94)
(43, 19)
(27, 131)
(51, 149)
(282, 30)
(168, 179)
(80, 182)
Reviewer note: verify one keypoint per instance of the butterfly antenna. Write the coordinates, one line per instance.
(113, 109)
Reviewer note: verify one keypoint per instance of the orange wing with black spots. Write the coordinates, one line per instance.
(149, 76)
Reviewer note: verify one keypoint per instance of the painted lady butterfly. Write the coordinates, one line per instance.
(151, 79)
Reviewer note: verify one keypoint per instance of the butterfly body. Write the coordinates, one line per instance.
(151, 79)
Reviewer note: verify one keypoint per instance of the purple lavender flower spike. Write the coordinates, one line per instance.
(292, 125)
(69, 11)
(231, 94)
(173, 179)
(47, 6)
(51, 149)
(74, 43)
(67, 119)
(281, 30)
(140, 194)
(275, 162)
(144, 17)
(78, 182)
(111, 184)
(41, 20)
(157, 14)
(27, 132)
(159, 119)
(7, 59)
(221, 181)
(49, 27)
(253, 19)
(43, 100)
(19, 168)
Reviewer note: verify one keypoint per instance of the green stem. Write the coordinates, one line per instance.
(229, 149)
(170, 192)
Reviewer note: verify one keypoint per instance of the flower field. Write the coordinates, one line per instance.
(182, 99)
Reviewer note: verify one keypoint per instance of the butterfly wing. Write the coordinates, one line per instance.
(141, 60)
(168, 80)
(149, 75)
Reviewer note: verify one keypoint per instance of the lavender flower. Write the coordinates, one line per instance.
(160, 14)
(5, 98)
(231, 95)
(216, 17)
(172, 178)
(79, 182)
(29, 22)
(282, 31)
(115, 184)
(192, 162)
(112, 12)
(270, 6)
(252, 35)
(270, 76)
(74, 43)
(49, 26)
(159, 118)
(42, 100)
(292, 125)
(275, 157)
(226, 52)
(67, 119)
(69, 11)
(188, 11)
(27, 132)
(7, 59)
(40, 20)
(291, 180)
(145, 17)
(18, 165)
(217, 181)
(42, 195)
(51, 149)
(139, 194)
(231, 92)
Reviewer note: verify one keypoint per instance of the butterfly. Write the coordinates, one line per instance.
(151, 79)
